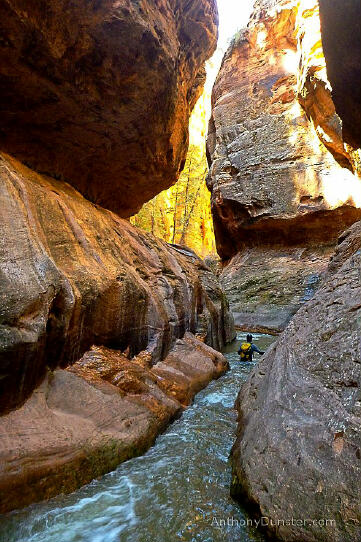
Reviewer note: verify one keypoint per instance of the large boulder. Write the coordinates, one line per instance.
(74, 274)
(298, 447)
(99, 93)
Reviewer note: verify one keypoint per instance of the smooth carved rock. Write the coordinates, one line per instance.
(298, 448)
(99, 93)
(273, 181)
(74, 274)
(188, 368)
(82, 422)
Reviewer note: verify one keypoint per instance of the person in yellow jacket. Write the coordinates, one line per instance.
(247, 348)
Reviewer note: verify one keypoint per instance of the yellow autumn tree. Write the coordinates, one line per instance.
(182, 214)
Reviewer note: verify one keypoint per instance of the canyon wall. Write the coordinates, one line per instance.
(77, 281)
(297, 453)
(103, 328)
(74, 275)
(282, 179)
(99, 93)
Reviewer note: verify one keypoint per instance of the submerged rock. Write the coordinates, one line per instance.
(99, 93)
(82, 422)
(297, 453)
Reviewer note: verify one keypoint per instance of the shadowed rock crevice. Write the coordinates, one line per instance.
(342, 52)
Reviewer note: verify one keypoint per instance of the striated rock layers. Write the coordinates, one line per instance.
(95, 99)
(83, 421)
(74, 275)
(77, 282)
(282, 179)
(99, 93)
(266, 287)
(298, 449)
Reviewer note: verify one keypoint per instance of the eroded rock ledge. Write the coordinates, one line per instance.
(99, 93)
(74, 275)
(82, 422)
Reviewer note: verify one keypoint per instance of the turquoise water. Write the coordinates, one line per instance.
(177, 491)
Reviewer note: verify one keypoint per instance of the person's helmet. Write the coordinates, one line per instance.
(249, 338)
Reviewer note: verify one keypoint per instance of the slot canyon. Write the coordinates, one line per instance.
(170, 184)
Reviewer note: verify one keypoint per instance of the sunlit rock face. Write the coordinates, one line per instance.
(74, 274)
(99, 93)
(284, 184)
(272, 177)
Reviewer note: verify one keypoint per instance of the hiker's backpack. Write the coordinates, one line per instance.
(245, 351)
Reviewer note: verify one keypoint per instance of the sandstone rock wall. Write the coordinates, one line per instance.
(99, 93)
(266, 287)
(298, 448)
(272, 179)
(284, 183)
(74, 274)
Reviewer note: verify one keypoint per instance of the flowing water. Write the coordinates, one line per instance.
(177, 491)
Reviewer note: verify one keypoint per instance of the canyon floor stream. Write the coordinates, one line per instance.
(178, 490)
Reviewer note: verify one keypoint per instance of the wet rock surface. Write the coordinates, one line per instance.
(266, 287)
(74, 275)
(99, 93)
(298, 445)
(82, 422)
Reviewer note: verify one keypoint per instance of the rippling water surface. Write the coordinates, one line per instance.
(177, 491)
